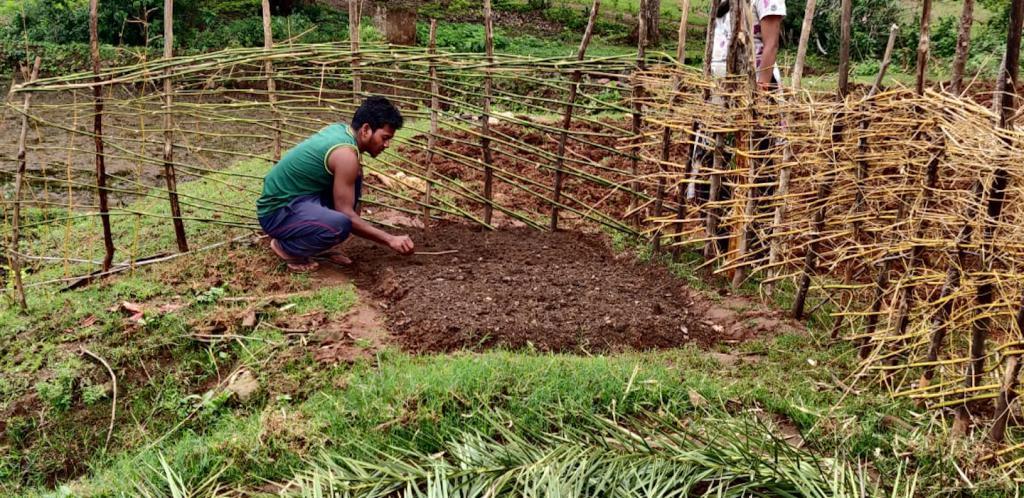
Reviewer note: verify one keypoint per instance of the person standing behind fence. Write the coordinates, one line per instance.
(310, 200)
(766, 31)
(768, 15)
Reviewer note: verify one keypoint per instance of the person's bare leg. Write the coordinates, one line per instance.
(294, 264)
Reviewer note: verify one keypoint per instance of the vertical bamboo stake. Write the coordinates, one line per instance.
(805, 37)
(574, 86)
(1008, 387)
(637, 95)
(14, 257)
(666, 132)
(172, 184)
(709, 40)
(745, 232)
(846, 26)
(485, 138)
(711, 244)
(963, 43)
(353, 36)
(1007, 395)
(268, 67)
(997, 96)
(922, 44)
(939, 325)
(862, 164)
(775, 247)
(825, 189)
(684, 15)
(979, 332)
(434, 105)
(101, 167)
(67, 175)
(906, 296)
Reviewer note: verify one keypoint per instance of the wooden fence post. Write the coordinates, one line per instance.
(999, 184)
(268, 67)
(922, 44)
(775, 245)
(637, 95)
(434, 106)
(963, 43)
(709, 39)
(745, 231)
(353, 35)
(169, 175)
(101, 167)
(825, 189)
(15, 256)
(862, 163)
(485, 138)
(574, 85)
(666, 132)
(801, 50)
(711, 249)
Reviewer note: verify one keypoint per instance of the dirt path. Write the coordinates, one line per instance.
(358, 334)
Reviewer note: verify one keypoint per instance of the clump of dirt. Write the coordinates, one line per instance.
(519, 288)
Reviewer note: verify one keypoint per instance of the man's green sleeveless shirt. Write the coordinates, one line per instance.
(303, 170)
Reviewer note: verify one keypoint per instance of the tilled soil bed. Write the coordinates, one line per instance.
(520, 288)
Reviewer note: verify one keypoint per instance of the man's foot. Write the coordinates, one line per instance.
(334, 255)
(294, 264)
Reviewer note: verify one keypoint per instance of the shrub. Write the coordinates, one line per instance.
(460, 37)
(871, 22)
(944, 35)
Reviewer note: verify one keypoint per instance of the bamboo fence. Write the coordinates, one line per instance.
(892, 193)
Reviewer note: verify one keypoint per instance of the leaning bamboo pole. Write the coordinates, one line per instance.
(485, 118)
(574, 86)
(810, 266)
(863, 167)
(101, 168)
(14, 258)
(1001, 180)
(169, 174)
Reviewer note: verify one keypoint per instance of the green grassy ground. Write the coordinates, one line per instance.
(778, 415)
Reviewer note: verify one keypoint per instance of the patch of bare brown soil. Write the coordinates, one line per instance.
(520, 288)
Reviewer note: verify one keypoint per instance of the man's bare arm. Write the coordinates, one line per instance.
(344, 163)
(770, 28)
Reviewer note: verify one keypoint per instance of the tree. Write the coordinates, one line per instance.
(652, 12)
(397, 19)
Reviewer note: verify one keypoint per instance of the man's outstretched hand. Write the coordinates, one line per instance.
(401, 244)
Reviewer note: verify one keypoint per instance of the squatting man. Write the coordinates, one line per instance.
(310, 200)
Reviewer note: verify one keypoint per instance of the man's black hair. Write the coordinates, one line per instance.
(377, 111)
